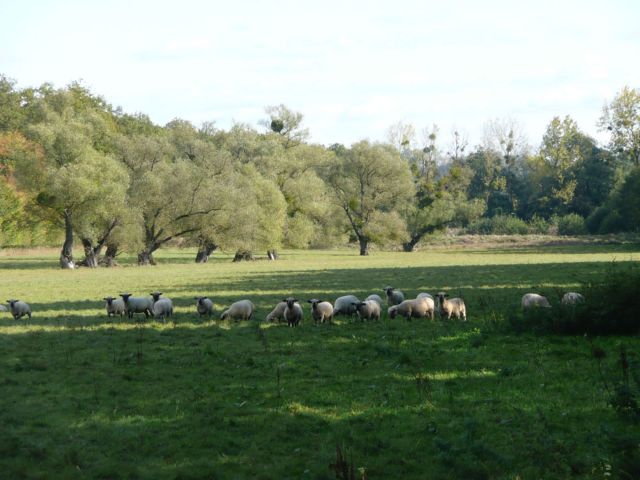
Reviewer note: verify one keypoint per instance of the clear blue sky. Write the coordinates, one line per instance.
(352, 68)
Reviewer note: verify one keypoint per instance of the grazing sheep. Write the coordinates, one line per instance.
(161, 307)
(240, 310)
(424, 295)
(277, 313)
(394, 296)
(369, 310)
(18, 309)
(452, 306)
(417, 308)
(374, 297)
(321, 311)
(137, 305)
(344, 305)
(533, 300)
(204, 306)
(572, 298)
(114, 306)
(292, 312)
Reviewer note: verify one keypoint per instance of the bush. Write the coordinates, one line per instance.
(572, 224)
(611, 307)
(499, 225)
(538, 225)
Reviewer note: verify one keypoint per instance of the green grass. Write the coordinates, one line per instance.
(86, 397)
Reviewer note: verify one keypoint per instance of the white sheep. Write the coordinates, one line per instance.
(344, 305)
(114, 306)
(204, 306)
(452, 306)
(18, 309)
(394, 296)
(416, 308)
(240, 310)
(137, 304)
(292, 312)
(425, 295)
(572, 298)
(533, 300)
(321, 311)
(161, 307)
(368, 310)
(277, 313)
(3, 308)
(374, 297)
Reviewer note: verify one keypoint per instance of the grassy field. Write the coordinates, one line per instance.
(87, 397)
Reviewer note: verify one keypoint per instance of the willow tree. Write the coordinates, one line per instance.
(370, 182)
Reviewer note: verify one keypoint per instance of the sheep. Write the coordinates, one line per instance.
(18, 309)
(417, 308)
(161, 307)
(277, 313)
(452, 306)
(321, 311)
(292, 312)
(114, 306)
(424, 295)
(204, 306)
(3, 308)
(394, 296)
(374, 297)
(344, 305)
(240, 310)
(531, 300)
(137, 305)
(572, 298)
(369, 310)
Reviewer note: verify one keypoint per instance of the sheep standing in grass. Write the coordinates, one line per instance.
(572, 298)
(533, 300)
(374, 297)
(240, 310)
(137, 305)
(368, 310)
(114, 306)
(321, 311)
(452, 306)
(18, 309)
(161, 307)
(204, 306)
(292, 312)
(394, 296)
(344, 305)
(277, 313)
(417, 308)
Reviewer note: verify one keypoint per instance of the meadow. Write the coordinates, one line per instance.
(85, 396)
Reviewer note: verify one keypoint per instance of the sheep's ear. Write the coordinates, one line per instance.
(310, 301)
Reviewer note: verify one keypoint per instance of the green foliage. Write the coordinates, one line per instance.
(622, 119)
(499, 225)
(572, 224)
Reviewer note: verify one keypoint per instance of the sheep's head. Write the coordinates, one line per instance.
(200, 300)
(290, 301)
(125, 297)
(12, 302)
(314, 303)
(388, 289)
(155, 295)
(109, 300)
(441, 296)
(392, 312)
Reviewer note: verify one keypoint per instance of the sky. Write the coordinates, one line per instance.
(352, 68)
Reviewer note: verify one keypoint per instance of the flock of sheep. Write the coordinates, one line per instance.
(290, 310)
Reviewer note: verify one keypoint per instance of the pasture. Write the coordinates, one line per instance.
(84, 396)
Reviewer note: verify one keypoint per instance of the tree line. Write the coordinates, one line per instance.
(73, 168)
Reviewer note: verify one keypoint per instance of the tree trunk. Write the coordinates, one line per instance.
(243, 255)
(272, 255)
(110, 255)
(66, 255)
(205, 250)
(146, 257)
(410, 245)
(364, 246)
(91, 254)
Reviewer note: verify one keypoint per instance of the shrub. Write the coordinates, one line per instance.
(499, 225)
(538, 225)
(572, 224)
(611, 307)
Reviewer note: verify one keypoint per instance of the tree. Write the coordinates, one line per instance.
(287, 124)
(369, 182)
(622, 119)
(505, 137)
